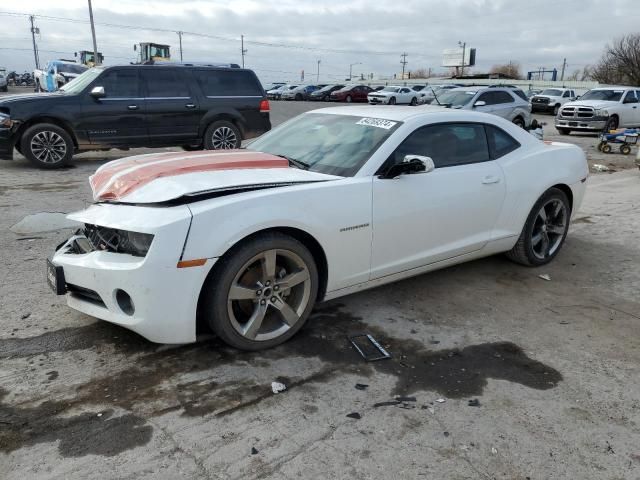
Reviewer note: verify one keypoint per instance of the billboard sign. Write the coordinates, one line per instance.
(452, 57)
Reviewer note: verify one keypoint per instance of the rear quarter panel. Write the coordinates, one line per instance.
(320, 209)
(532, 170)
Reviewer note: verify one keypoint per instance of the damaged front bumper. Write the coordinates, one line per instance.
(147, 294)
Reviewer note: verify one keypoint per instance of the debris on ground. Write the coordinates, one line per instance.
(494, 451)
(446, 434)
(600, 168)
(474, 403)
(254, 451)
(369, 348)
(354, 415)
(361, 386)
(545, 276)
(440, 400)
(434, 342)
(405, 399)
(386, 404)
(25, 316)
(277, 387)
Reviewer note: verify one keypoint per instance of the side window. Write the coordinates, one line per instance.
(521, 94)
(448, 144)
(123, 83)
(502, 97)
(165, 82)
(405, 90)
(630, 97)
(500, 142)
(638, 94)
(566, 94)
(228, 83)
(486, 97)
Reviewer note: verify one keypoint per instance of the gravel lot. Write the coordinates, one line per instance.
(553, 365)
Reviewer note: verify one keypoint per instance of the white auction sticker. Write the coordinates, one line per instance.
(376, 122)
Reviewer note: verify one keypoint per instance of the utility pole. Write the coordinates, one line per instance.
(351, 68)
(318, 74)
(564, 65)
(93, 35)
(242, 49)
(34, 30)
(404, 63)
(464, 52)
(180, 38)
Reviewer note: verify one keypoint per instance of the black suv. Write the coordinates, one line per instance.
(196, 107)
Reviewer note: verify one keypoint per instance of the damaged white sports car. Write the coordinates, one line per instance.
(332, 202)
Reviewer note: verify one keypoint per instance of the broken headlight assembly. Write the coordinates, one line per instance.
(5, 120)
(118, 241)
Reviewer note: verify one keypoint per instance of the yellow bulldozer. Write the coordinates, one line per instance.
(88, 58)
(152, 52)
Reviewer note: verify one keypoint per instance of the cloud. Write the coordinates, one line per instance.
(373, 34)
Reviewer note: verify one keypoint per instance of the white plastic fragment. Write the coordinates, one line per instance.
(277, 387)
(545, 276)
(494, 451)
(600, 168)
(99, 414)
(440, 400)
(431, 410)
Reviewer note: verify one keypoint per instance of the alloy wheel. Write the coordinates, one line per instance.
(224, 138)
(48, 147)
(269, 295)
(549, 228)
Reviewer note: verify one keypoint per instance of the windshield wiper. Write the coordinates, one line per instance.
(296, 163)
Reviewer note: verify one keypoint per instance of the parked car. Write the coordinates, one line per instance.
(428, 95)
(351, 93)
(502, 101)
(250, 240)
(56, 74)
(324, 92)
(273, 86)
(532, 91)
(299, 93)
(135, 106)
(551, 99)
(600, 109)
(276, 93)
(4, 83)
(393, 95)
(418, 88)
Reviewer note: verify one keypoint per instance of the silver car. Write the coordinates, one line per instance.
(506, 102)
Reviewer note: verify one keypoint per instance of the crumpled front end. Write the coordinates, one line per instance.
(125, 266)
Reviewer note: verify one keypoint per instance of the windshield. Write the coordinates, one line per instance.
(80, 83)
(329, 87)
(552, 92)
(610, 95)
(331, 144)
(71, 68)
(346, 88)
(455, 98)
(390, 89)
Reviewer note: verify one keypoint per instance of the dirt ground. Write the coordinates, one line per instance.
(496, 372)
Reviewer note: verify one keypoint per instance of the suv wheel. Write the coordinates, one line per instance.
(47, 145)
(519, 122)
(556, 109)
(222, 135)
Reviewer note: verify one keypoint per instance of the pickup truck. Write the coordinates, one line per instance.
(56, 74)
(600, 108)
(551, 99)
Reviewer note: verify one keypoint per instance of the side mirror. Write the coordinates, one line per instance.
(410, 165)
(480, 103)
(97, 92)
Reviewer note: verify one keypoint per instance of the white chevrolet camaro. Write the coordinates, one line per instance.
(332, 202)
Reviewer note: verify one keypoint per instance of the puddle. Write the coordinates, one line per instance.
(152, 386)
(40, 187)
(43, 222)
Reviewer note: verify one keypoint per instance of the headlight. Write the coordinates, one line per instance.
(5, 120)
(118, 241)
(601, 112)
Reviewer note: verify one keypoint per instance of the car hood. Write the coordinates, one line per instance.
(591, 103)
(9, 99)
(161, 177)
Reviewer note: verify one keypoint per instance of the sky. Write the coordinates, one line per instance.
(285, 37)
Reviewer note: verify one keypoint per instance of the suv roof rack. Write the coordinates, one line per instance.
(195, 64)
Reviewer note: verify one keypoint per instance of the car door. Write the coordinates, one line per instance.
(488, 99)
(118, 118)
(424, 218)
(173, 112)
(503, 104)
(628, 114)
(405, 95)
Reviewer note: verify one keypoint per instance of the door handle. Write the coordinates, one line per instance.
(133, 107)
(190, 105)
(489, 179)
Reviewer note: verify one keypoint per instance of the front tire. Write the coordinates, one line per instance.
(612, 124)
(349, 99)
(261, 293)
(518, 121)
(556, 109)
(414, 102)
(222, 135)
(544, 231)
(47, 145)
(564, 131)
(392, 101)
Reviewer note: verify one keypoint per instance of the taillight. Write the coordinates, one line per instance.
(264, 106)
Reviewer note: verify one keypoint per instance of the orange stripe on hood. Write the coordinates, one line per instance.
(121, 182)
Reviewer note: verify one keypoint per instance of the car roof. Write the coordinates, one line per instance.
(386, 112)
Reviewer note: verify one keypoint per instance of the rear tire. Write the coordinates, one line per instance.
(222, 135)
(47, 145)
(606, 148)
(564, 131)
(625, 149)
(519, 122)
(261, 292)
(349, 99)
(544, 231)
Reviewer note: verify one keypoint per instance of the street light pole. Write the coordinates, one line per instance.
(351, 68)
(242, 49)
(180, 38)
(318, 74)
(464, 52)
(96, 60)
